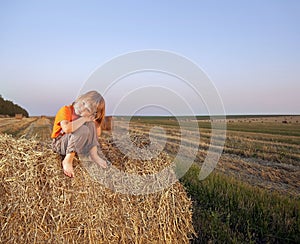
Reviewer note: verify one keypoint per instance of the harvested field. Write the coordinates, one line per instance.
(38, 128)
(259, 167)
(15, 126)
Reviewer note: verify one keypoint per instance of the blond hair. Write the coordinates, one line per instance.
(93, 102)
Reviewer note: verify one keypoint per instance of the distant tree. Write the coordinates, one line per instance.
(9, 108)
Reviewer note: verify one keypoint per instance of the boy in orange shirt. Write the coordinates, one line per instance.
(76, 129)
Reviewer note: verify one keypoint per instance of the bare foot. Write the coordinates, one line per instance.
(98, 160)
(102, 163)
(67, 165)
(95, 157)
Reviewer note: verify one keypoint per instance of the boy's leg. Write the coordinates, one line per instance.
(94, 144)
(78, 140)
(68, 145)
(74, 142)
(83, 140)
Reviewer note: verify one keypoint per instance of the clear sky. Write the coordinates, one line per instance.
(249, 49)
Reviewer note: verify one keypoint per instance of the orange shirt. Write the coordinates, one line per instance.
(65, 113)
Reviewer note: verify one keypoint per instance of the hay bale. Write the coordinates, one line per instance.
(107, 123)
(18, 116)
(39, 204)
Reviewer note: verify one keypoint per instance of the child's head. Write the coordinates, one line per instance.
(91, 102)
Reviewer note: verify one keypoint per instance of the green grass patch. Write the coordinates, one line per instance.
(229, 211)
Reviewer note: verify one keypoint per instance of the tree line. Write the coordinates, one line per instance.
(9, 108)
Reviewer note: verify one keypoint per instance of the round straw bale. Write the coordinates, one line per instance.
(39, 204)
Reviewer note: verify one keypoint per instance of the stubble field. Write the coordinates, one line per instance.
(262, 151)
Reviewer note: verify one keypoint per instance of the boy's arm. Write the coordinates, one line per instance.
(69, 127)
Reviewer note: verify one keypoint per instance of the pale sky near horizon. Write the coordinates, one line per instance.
(249, 50)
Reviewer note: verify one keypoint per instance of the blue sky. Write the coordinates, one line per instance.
(249, 49)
